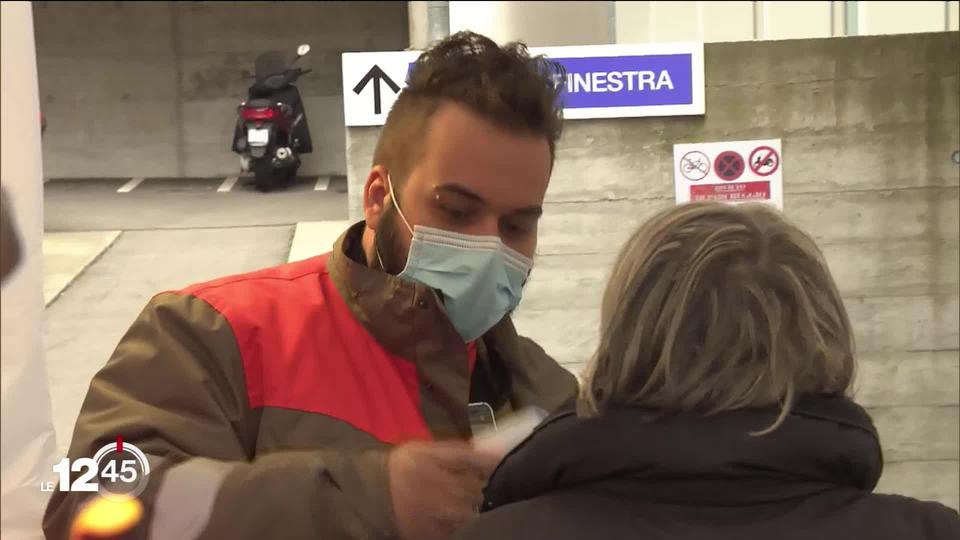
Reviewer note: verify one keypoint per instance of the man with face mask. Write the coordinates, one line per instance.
(329, 398)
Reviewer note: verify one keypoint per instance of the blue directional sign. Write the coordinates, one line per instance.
(628, 81)
(602, 81)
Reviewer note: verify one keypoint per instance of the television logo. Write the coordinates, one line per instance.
(117, 469)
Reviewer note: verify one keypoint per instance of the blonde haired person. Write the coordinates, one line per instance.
(716, 406)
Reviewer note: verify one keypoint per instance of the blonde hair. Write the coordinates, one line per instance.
(714, 307)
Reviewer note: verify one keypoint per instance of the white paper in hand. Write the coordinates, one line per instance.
(509, 432)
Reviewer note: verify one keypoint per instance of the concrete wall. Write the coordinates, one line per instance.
(868, 127)
(151, 88)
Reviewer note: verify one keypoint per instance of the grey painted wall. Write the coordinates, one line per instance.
(151, 88)
(868, 127)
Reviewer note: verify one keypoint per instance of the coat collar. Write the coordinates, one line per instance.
(684, 459)
(399, 313)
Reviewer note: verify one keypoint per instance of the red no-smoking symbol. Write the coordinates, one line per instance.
(728, 165)
(764, 161)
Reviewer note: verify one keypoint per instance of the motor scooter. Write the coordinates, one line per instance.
(271, 131)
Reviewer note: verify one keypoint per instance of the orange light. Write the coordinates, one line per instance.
(107, 518)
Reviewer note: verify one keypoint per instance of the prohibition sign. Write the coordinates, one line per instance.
(728, 165)
(764, 161)
(695, 165)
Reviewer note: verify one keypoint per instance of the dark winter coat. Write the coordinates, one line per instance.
(630, 475)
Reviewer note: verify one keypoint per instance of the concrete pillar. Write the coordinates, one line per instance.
(538, 24)
(438, 20)
(28, 441)
(418, 24)
(428, 22)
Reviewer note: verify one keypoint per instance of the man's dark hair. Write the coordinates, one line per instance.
(504, 85)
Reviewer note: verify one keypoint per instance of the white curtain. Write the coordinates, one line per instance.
(28, 441)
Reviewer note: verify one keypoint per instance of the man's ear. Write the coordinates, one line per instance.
(376, 193)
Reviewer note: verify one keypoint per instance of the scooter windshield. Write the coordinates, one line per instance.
(269, 63)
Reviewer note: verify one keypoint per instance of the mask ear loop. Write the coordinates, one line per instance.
(393, 199)
(396, 204)
(377, 250)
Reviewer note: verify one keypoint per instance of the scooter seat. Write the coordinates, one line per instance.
(261, 103)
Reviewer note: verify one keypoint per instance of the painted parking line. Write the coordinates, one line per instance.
(322, 183)
(228, 184)
(130, 186)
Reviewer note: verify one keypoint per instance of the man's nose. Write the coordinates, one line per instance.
(489, 226)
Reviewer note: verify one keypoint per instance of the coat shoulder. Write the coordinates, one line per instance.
(921, 519)
(251, 283)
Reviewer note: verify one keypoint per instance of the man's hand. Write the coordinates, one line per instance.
(436, 488)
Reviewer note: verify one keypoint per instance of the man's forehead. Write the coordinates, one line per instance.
(453, 123)
(466, 150)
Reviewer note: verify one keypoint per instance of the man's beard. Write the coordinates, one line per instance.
(392, 256)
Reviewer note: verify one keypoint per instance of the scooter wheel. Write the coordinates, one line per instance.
(264, 175)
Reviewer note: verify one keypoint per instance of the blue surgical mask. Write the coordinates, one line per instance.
(480, 278)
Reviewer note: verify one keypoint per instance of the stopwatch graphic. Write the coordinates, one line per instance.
(123, 469)
(117, 469)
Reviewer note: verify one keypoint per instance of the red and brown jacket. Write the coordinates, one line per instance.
(266, 402)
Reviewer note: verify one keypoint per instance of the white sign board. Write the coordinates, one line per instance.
(371, 82)
(733, 172)
(602, 81)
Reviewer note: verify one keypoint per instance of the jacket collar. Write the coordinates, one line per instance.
(682, 459)
(397, 312)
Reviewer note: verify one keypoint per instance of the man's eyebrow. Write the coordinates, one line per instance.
(459, 190)
(533, 210)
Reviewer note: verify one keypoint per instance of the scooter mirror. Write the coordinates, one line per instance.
(303, 50)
